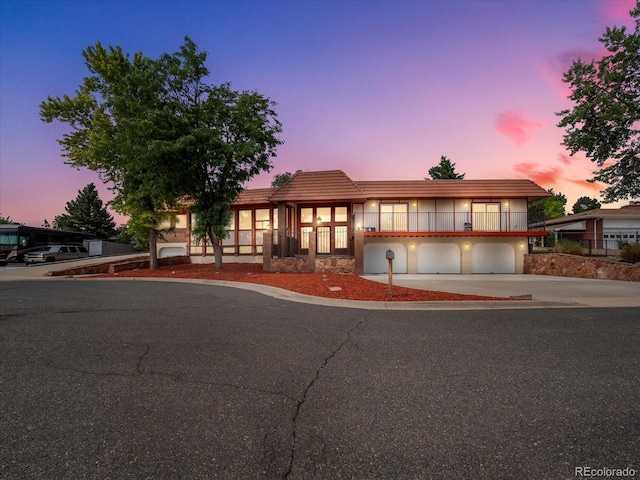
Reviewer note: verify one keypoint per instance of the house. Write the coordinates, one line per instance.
(600, 230)
(323, 221)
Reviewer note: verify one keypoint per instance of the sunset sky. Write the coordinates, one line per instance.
(379, 89)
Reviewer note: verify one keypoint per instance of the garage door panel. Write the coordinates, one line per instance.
(493, 258)
(375, 259)
(439, 258)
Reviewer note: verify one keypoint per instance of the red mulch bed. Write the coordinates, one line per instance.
(317, 284)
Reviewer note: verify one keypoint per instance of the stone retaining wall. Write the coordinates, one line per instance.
(563, 265)
(117, 266)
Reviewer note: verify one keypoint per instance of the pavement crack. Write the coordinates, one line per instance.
(142, 357)
(301, 402)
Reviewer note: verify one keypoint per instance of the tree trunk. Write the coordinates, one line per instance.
(153, 250)
(217, 249)
(217, 252)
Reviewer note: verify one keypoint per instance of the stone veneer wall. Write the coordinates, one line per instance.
(341, 265)
(564, 265)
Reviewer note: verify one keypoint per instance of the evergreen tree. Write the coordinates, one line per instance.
(281, 178)
(87, 214)
(445, 170)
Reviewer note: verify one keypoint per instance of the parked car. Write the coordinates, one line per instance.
(56, 253)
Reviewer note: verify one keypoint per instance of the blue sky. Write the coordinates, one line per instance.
(379, 89)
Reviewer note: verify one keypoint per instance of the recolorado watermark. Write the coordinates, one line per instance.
(604, 472)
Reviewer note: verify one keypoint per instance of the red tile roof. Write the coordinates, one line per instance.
(521, 188)
(331, 185)
(626, 211)
(255, 196)
(335, 185)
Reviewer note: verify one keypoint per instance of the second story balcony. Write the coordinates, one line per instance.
(441, 222)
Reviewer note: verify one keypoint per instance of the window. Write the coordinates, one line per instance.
(340, 214)
(181, 221)
(323, 240)
(342, 240)
(393, 217)
(306, 215)
(331, 231)
(304, 237)
(486, 217)
(323, 214)
(244, 220)
(262, 219)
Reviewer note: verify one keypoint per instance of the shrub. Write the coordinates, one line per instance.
(569, 246)
(631, 252)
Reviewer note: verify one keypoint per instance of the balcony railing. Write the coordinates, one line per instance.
(441, 222)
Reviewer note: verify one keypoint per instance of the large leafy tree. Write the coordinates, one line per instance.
(604, 122)
(548, 207)
(124, 126)
(228, 137)
(585, 203)
(87, 214)
(445, 170)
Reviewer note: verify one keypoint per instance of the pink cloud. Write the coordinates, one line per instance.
(514, 126)
(545, 178)
(596, 187)
(616, 10)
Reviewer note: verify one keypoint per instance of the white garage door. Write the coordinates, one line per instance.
(439, 258)
(375, 259)
(493, 258)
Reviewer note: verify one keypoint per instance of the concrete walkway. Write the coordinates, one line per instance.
(545, 291)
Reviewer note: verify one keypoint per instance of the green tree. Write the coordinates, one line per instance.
(87, 214)
(604, 121)
(585, 203)
(124, 126)
(548, 207)
(5, 220)
(228, 137)
(281, 178)
(445, 170)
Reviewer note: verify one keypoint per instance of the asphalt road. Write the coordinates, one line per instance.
(133, 379)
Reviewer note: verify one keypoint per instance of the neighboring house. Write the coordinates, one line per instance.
(601, 229)
(432, 226)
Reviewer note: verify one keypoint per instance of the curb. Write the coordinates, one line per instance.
(288, 295)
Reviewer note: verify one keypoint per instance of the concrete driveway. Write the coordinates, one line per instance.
(573, 291)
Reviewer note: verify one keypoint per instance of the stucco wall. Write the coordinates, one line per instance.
(563, 265)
